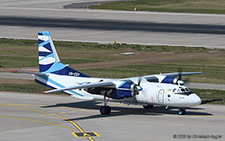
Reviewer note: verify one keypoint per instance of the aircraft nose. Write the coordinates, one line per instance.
(194, 100)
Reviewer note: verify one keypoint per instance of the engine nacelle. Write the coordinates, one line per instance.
(119, 94)
(125, 90)
(180, 82)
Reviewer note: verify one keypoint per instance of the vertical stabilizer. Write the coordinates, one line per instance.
(49, 61)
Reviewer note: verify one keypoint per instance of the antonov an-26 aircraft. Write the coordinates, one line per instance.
(160, 89)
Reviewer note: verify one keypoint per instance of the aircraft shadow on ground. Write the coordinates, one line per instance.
(122, 110)
(210, 101)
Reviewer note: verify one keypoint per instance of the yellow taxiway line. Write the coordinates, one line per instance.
(37, 121)
(33, 110)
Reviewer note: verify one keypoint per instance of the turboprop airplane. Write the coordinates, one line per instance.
(149, 90)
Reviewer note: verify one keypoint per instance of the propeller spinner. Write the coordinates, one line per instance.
(135, 88)
(179, 80)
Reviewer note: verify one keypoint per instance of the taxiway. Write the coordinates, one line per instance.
(26, 117)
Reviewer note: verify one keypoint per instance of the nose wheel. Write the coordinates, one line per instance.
(182, 111)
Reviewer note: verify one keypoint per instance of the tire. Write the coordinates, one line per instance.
(148, 106)
(181, 111)
(105, 110)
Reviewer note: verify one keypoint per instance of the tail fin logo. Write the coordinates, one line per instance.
(47, 54)
(49, 61)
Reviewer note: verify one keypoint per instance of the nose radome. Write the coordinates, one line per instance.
(194, 100)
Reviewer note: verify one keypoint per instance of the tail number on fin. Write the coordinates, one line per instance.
(74, 74)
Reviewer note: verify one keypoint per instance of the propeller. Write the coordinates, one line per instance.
(180, 73)
(136, 87)
(179, 79)
(139, 81)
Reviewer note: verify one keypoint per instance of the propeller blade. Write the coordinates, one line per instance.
(180, 73)
(136, 87)
(139, 81)
(186, 80)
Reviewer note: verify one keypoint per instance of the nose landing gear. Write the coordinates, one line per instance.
(182, 111)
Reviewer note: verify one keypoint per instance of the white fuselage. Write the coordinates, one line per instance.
(151, 93)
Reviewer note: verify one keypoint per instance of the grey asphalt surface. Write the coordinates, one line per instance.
(34, 117)
(23, 19)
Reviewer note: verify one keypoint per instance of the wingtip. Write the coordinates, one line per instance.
(14, 71)
(42, 92)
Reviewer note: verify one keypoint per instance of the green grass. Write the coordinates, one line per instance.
(187, 6)
(23, 53)
(25, 88)
(211, 96)
(213, 68)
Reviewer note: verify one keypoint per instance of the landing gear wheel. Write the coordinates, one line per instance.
(181, 111)
(148, 106)
(105, 110)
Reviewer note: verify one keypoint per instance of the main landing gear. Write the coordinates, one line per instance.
(182, 111)
(148, 106)
(105, 110)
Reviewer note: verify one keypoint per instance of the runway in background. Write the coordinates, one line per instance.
(26, 19)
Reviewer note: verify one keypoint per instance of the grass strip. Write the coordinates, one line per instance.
(184, 6)
(211, 96)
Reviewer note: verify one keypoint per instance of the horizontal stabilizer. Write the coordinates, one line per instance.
(36, 73)
(96, 84)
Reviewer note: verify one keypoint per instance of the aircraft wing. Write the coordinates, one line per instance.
(181, 73)
(165, 74)
(90, 85)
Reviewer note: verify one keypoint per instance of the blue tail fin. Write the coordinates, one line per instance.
(49, 61)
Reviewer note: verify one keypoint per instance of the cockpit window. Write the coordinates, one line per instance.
(188, 90)
(182, 90)
(174, 90)
(152, 79)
